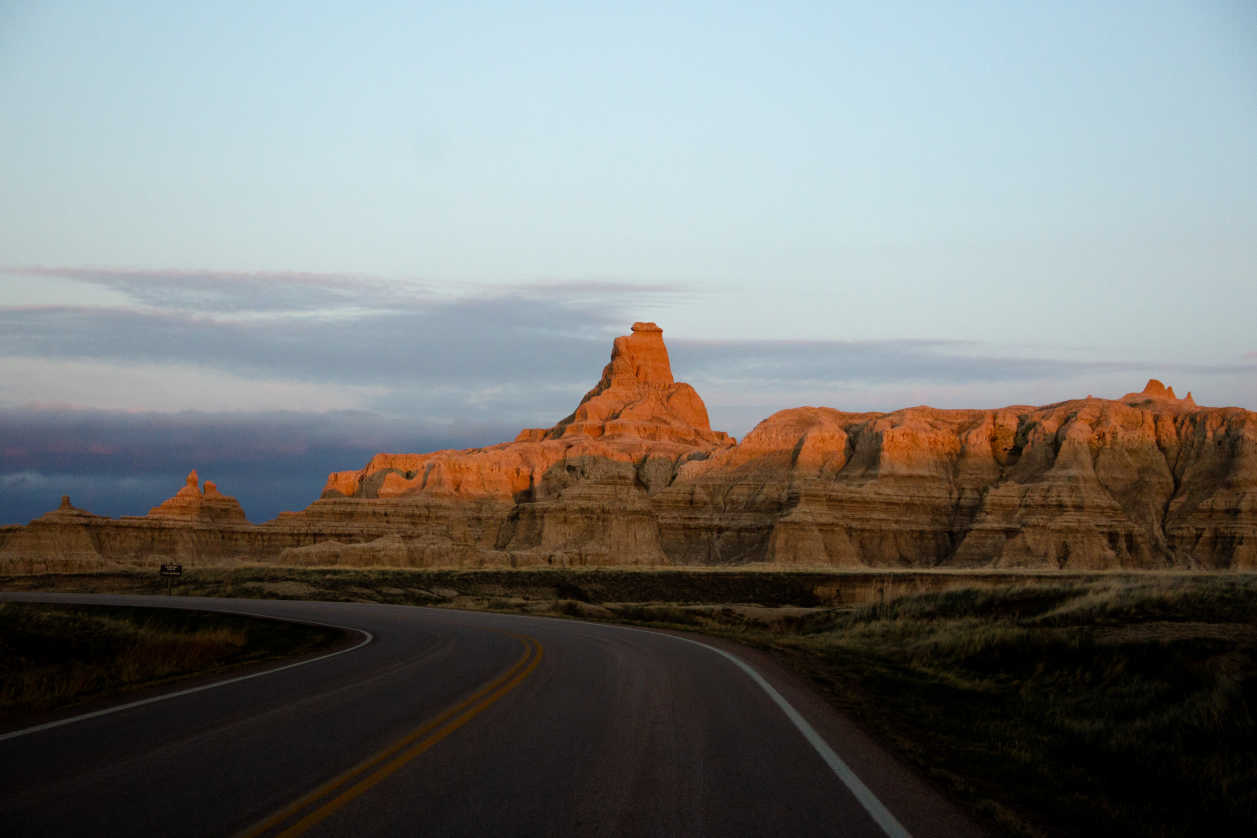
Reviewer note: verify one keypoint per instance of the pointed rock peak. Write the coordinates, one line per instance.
(190, 503)
(638, 397)
(1156, 391)
(65, 512)
(191, 487)
(639, 358)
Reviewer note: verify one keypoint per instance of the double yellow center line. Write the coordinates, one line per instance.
(307, 811)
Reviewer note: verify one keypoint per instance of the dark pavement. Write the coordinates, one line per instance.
(459, 723)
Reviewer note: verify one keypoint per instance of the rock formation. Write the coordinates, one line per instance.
(636, 475)
(637, 398)
(577, 493)
(192, 504)
(1086, 484)
(1156, 393)
(57, 541)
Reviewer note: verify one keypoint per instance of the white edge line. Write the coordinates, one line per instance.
(862, 793)
(367, 638)
(876, 809)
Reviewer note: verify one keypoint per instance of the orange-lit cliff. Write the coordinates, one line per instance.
(636, 475)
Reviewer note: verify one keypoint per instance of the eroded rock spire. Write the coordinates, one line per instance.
(637, 397)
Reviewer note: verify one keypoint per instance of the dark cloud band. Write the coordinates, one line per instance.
(123, 463)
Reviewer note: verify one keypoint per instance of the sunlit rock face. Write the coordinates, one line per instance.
(191, 525)
(637, 397)
(1156, 393)
(636, 475)
(191, 503)
(1144, 482)
(636, 416)
(576, 493)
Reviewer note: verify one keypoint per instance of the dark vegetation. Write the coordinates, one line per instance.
(1117, 708)
(56, 658)
(406, 586)
(1049, 704)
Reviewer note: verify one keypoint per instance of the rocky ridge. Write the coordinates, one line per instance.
(636, 475)
(195, 504)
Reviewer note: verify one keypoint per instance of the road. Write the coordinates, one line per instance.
(442, 722)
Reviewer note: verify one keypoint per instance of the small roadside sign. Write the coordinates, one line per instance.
(170, 571)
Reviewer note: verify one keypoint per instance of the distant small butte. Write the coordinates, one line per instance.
(635, 475)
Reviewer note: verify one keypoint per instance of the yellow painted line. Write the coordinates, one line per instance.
(388, 761)
(385, 771)
(371, 762)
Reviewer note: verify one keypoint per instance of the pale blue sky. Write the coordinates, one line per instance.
(956, 204)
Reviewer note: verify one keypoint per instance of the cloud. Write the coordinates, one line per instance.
(227, 294)
(544, 333)
(234, 292)
(543, 336)
(132, 386)
(883, 361)
(465, 343)
(57, 439)
(745, 381)
(522, 354)
(472, 344)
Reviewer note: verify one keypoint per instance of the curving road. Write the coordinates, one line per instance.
(444, 722)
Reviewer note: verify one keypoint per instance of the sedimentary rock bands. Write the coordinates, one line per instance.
(636, 475)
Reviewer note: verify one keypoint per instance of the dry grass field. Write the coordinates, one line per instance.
(57, 658)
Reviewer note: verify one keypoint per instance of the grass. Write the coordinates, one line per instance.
(1047, 704)
(54, 658)
(1118, 708)
(470, 587)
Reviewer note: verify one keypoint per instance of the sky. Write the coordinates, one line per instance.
(267, 240)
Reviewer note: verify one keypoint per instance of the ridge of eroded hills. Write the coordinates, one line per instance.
(636, 476)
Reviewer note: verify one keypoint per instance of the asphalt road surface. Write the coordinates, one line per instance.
(441, 722)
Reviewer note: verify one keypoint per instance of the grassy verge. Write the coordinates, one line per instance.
(472, 587)
(54, 658)
(1087, 709)
(1111, 707)
(1048, 704)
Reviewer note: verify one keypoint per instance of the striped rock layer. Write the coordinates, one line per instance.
(636, 476)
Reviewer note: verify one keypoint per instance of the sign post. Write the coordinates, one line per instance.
(170, 571)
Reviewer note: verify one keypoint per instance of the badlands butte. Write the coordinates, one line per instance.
(636, 476)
